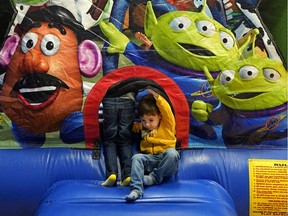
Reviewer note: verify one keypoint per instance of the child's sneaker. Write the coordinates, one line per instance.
(134, 195)
(125, 182)
(110, 181)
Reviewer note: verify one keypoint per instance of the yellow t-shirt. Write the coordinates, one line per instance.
(163, 138)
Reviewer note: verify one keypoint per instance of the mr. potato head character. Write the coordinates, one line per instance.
(42, 90)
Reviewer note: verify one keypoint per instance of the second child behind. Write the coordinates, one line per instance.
(118, 114)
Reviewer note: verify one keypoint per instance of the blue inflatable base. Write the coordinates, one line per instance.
(77, 198)
(29, 179)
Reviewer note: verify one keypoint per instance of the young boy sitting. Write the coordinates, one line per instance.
(157, 156)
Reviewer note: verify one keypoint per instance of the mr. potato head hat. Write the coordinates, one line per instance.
(57, 15)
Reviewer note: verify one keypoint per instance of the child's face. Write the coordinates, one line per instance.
(150, 122)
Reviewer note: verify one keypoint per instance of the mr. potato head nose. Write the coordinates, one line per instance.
(34, 61)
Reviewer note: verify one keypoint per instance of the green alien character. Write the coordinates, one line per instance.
(253, 93)
(182, 43)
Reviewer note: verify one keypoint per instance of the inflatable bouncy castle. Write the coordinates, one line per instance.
(220, 64)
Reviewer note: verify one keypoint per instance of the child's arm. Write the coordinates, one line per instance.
(167, 115)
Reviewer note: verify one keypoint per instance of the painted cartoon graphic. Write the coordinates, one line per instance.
(240, 17)
(177, 38)
(268, 46)
(250, 115)
(183, 42)
(42, 90)
(88, 12)
(118, 17)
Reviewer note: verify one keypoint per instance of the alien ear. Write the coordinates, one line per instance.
(150, 21)
(8, 51)
(208, 75)
(203, 6)
(247, 44)
(90, 58)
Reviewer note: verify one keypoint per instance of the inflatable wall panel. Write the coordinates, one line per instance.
(23, 189)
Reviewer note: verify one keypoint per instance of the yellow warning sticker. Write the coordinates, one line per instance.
(268, 187)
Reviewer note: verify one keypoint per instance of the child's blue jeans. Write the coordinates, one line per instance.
(159, 167)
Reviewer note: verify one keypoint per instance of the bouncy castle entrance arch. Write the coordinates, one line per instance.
(174, 93)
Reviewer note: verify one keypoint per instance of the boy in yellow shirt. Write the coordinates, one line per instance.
(157, 156)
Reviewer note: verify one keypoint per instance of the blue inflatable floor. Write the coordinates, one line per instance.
(77, 198)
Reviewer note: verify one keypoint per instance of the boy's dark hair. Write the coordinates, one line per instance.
(147, 105)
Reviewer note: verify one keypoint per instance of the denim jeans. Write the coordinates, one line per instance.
(159, 167)
(118, 114)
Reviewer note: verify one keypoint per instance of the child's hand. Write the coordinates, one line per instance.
(155, 94)
(137, 127)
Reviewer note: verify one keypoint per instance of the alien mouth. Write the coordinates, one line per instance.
(37, 91)
(196, 50)
(245, 95)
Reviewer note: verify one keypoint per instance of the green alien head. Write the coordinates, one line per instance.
(191, 39)
(253, 83)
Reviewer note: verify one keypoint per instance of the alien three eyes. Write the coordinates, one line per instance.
(49, 45)
(248, 73)
(204, 27)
